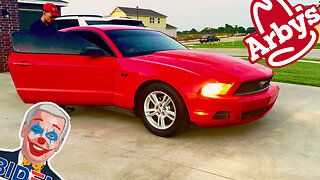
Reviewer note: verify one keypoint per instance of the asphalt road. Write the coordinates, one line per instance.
(104, 144)
(315, 53)
(238, 52)
(229, 39)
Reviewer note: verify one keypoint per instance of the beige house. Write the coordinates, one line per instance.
(149, 18)
(318, 26)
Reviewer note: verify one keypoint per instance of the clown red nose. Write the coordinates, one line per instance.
(41, 140)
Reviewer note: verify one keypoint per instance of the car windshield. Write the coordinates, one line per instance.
(116, 22)
(142, 42)
(205, 36)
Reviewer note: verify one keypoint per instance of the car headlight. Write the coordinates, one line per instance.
(214, 89)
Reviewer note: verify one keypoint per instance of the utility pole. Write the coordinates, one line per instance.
(137, 12)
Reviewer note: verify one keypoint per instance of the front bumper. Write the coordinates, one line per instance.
(241, 108)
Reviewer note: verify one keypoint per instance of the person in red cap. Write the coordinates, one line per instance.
(44, 24)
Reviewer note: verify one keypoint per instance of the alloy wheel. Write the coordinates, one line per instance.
(160, 110)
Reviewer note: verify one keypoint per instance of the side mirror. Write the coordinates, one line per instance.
(92, 51)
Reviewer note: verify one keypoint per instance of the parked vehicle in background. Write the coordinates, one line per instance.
(254, 34)
(209, 38)
(85, 20)
(141, 70)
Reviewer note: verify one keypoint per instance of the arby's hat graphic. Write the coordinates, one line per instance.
(285, 33)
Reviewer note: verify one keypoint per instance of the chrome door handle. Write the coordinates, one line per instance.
(23, 63)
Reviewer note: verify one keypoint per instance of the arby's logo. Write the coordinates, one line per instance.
(284, 33)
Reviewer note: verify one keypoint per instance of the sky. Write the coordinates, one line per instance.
(183, 14)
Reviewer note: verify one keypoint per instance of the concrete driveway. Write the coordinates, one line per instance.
(104, 144)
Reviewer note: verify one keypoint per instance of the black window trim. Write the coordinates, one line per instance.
(22, 52)
(114, 54)
(144, 30)
(61, 20)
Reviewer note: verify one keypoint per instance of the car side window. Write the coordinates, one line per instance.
(94, 38)
(49, 43)
(61, 24)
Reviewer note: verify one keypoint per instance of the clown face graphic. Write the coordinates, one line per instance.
(42, 138)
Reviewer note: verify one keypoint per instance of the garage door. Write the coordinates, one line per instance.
(27, 17)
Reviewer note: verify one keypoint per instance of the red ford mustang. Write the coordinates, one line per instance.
(142, 70)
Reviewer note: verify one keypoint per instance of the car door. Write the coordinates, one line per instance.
(60, 74)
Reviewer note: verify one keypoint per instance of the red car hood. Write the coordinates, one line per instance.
(215, 66)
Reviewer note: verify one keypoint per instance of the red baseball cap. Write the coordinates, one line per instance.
(51, 8)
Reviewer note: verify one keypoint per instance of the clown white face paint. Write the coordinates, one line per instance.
(42, 138)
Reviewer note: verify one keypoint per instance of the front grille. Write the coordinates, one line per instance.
(222, 115)
(253, 86)
(250, 114)
(257, 112)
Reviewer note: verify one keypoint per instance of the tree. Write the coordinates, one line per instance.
(185, 32)
(229, 28)
(193, 31)
(251, 30)
(221, 30)
(241, 29)
(208, 30)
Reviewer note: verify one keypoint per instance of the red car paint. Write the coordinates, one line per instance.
(84, 80)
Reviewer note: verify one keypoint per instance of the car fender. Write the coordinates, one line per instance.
(133, 74)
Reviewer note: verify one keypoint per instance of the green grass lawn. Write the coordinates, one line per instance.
(303, 73)
(297, 73)
(305, 59)
(235, 44)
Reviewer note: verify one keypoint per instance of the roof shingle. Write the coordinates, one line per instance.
(171, 27)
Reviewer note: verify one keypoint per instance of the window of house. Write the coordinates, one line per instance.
(158, 20)
(151, 20)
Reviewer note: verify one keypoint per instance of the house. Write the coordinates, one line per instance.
(9, 21)
(18, 15)
(317, 26)
(31, 10)
(149, 18)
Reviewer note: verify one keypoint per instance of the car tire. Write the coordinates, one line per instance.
(162, 110)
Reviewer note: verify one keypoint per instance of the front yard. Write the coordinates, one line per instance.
(234, 44)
